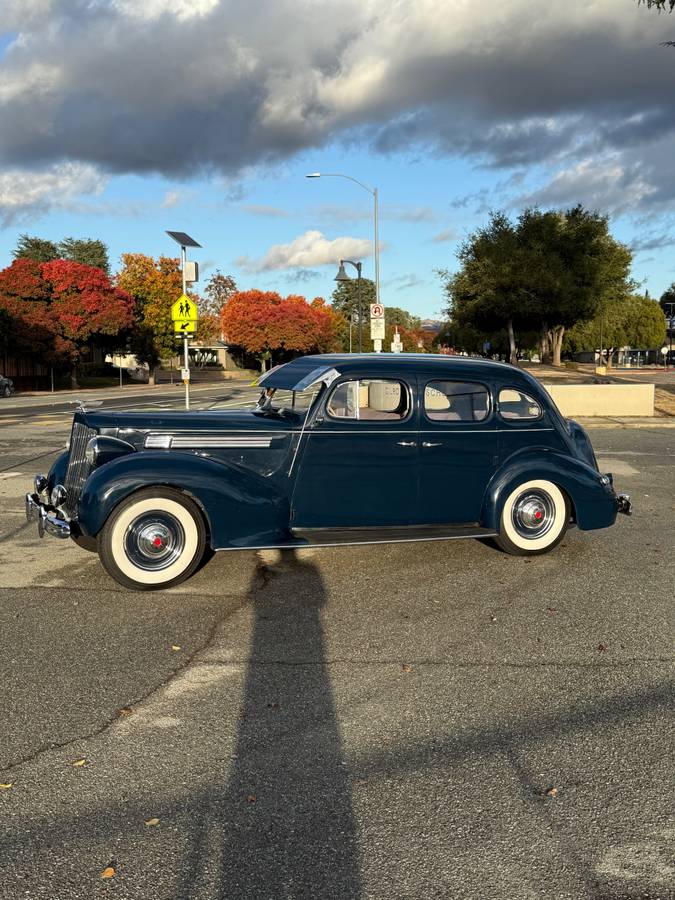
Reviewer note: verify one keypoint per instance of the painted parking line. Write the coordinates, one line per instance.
(6, 475)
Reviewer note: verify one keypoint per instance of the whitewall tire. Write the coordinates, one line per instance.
(154, 539)
(534, 518)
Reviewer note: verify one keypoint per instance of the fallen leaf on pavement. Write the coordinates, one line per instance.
(175, 646)
(108, 872)
(602, 647)
(153, 821)
(78, 763)
(274, 706)
(552, 792)
(125, 711)
(406, 668)
(251, 798)
(551, 609)
(6, 786)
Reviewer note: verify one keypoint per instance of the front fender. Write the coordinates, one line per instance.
(594, 503)
(242, 509)
(57, 473)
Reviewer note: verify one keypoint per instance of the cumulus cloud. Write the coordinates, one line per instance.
(447, 234)
(307, 250)
(25, 195)
(183, 87)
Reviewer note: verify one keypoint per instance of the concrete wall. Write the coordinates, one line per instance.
(603, 399)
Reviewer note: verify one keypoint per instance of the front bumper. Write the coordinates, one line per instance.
(624, 504)
(48, 519)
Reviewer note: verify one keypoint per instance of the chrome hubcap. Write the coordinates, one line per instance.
(154, 541)
(533, 514)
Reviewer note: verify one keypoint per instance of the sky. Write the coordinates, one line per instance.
(121, 119)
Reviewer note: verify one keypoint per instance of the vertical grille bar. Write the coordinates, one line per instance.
(78, 467)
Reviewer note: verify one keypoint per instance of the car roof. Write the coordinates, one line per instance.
(304, 371)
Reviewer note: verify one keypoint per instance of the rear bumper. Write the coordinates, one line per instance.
(48, 519)
(624, 504)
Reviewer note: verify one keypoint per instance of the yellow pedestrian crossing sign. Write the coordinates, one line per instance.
(184, 310)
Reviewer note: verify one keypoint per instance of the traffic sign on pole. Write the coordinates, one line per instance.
(376, 311)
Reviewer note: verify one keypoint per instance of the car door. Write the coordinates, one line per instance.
(358, 465)
(458, 449)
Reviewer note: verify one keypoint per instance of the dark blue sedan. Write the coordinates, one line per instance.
(339, 449)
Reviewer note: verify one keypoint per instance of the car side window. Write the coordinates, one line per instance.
(456, 401)
(515, 405)
(371, 400)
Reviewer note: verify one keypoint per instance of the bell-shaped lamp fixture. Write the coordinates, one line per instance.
(342, 275)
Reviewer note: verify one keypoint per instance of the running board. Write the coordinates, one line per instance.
(389, 534)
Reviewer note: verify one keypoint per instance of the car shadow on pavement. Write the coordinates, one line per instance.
(284, 825)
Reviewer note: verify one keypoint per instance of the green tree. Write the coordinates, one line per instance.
(87, 251)
(547, 272)
(492, 288)
(394, 315)
(35, 248)
(667, 300)
(632, 321)
(345, 298)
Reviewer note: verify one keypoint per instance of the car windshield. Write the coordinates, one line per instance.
(282, 402)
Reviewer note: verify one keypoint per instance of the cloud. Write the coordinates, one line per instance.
(302, 276)
(652, 241)
(405, 282)
(447, 234)
(25, 195)
(307, 250)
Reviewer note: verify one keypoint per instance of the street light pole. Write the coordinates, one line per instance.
(376, 218)
(186, 354)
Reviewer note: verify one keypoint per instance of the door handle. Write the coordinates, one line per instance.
(431, 443)
(407, 443)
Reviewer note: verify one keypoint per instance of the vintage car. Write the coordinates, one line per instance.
(339, 449)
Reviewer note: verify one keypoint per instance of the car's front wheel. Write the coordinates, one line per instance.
(154, 539)
(534, 519)
(6, 391)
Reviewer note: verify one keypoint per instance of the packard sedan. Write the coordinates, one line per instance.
(338, 449)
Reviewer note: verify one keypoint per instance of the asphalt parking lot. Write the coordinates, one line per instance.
(411, 721)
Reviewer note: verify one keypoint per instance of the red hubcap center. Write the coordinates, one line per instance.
(537, 515)
(157, 542)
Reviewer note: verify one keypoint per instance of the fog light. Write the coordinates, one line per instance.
(58, 496)
(40, 484)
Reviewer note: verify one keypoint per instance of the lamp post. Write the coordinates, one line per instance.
(376, 218)
(184, 240)
(670, 307)
(342, 276)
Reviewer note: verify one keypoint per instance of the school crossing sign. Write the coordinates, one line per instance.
(185, 315)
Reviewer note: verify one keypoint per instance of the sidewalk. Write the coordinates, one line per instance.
(626, 421)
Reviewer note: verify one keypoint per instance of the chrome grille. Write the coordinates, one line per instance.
(78, 467)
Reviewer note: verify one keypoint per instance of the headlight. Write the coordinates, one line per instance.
(58, 495)
(40, 484)
(92, 451)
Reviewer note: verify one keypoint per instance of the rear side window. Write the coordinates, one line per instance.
(515, 405)
(455, 401)
(370, 400)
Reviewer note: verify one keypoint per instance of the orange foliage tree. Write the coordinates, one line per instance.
(270, 326)
(154, 285)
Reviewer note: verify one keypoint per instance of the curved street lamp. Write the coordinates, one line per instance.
(342, 276)
(376, 215)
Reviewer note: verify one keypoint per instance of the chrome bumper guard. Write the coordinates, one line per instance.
(48, 520)
(624, 504)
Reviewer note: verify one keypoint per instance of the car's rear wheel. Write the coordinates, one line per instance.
(534, 519)
(6, 391)
(154, 539)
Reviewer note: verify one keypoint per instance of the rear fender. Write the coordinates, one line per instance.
(594, 503)
(241, 508)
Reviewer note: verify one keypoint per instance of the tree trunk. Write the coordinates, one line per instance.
(544, 344)
(610, 353)
(73, 378)
(558, 333)
(513, 359)
(152, 375)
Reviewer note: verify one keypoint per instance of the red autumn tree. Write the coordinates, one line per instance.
(57, 307)
(266, 324)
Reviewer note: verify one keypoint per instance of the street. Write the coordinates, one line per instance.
(402, 721)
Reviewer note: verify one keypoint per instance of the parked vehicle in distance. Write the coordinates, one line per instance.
(6, 386)
(339, 449)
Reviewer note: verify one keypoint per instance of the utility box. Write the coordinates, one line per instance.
(191, 271)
